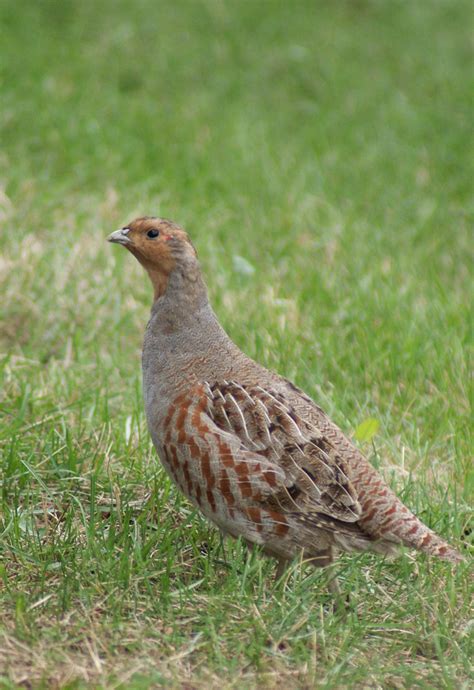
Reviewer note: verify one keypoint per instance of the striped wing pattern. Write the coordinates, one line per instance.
(315, 475)
(255, 468)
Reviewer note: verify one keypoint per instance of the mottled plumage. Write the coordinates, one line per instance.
(253, 452)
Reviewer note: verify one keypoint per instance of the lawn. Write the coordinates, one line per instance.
(318, 154)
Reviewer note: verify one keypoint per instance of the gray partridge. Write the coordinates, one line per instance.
(247, 447)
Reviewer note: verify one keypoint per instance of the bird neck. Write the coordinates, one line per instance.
(180, 298)
(184, 342)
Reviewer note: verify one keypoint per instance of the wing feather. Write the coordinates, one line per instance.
(315, 475)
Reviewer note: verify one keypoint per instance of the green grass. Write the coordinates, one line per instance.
(327, 145)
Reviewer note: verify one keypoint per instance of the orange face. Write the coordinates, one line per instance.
(158, 244)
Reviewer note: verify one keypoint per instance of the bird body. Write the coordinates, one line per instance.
(247, 447)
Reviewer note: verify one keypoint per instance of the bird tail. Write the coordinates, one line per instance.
(415, 534)
(385, 517)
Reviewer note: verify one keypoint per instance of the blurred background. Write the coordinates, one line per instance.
(318, 155)
(317, 152)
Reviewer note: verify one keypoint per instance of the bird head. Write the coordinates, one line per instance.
(161, 246)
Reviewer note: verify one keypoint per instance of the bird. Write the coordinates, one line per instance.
(248, 448)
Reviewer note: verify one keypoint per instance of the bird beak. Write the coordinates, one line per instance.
(120, 236)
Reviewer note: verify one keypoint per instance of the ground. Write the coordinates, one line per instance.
(318, 155)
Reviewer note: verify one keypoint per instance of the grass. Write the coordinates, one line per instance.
(325, 144)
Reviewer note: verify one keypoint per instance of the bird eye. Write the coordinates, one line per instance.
(153, 233)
